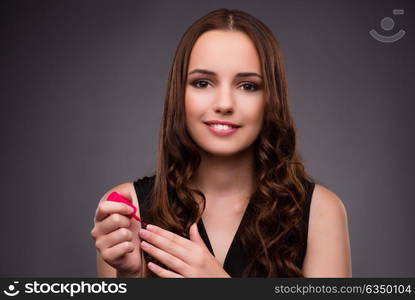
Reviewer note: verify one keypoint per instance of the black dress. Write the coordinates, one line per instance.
(236, 259)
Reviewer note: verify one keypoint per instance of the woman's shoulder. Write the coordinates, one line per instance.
(133, 190)
(328, 246)
(126, 190)
(326, 203)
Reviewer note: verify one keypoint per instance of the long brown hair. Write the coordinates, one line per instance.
(275, 210)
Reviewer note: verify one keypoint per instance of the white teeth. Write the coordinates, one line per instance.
(221, 127)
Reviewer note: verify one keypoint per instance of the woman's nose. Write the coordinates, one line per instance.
(224, 102)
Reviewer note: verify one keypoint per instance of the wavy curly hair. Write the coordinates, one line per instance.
(275, 210)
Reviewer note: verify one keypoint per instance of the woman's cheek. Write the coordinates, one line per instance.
(194, 116)
(196, 105)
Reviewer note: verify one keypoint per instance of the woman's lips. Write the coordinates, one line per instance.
(222, 132)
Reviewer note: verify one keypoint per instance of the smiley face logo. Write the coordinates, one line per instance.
(11, 291)
(387, 24)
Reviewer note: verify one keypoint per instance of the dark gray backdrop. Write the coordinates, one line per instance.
(82, 90)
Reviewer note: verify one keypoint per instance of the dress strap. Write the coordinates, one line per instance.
(143, 189)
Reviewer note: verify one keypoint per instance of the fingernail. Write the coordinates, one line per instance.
(144, 233)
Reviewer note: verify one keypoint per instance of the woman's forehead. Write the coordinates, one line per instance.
(225, 52)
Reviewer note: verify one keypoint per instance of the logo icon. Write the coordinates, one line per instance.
(11, 290)
(387, 24)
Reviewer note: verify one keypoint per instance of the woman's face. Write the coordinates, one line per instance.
(224, 84)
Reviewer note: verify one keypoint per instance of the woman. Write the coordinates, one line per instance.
(230, 196)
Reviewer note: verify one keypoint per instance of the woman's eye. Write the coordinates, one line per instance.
(248, 86)
(200, 83)
(252, 87)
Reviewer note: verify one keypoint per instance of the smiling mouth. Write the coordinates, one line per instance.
(221, 126)
(222, 130)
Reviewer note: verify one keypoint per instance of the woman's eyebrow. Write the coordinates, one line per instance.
(207, 72)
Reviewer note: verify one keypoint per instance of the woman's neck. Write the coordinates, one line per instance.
(226, 179)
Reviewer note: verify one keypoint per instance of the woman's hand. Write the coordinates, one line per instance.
(185, 258)
(116, 237)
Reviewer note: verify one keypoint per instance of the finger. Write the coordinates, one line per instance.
(110, 240)
(117, 251)
(161, 272)
(111, 223)
(195, 235)
(186, 243)
(165, 258)
(106, 208)
(168, 245)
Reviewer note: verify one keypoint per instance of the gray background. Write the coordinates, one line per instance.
(82, 90)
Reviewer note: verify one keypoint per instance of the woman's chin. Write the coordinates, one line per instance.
(223, 152)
